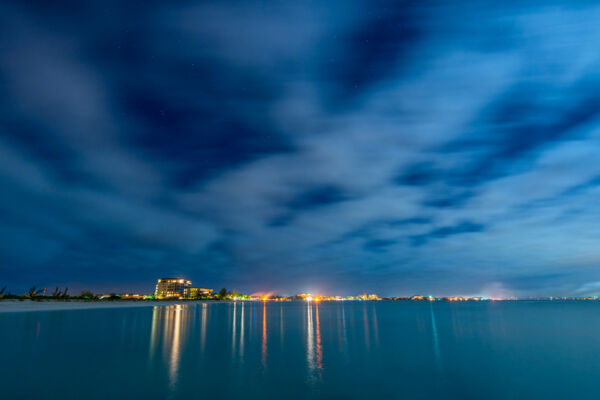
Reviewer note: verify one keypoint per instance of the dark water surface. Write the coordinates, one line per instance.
(298, 350)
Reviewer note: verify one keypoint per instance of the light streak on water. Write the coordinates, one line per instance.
(153, 332)
(175, 348)
(319, 348)
(314, 350)
(264, 337)
(242, 332)
(436, 343)
(203, 328)
(233, 329)
(366, 326)
(310, 344)
(281, 324)
(375, 325)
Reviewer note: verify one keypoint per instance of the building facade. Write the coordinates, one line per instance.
(197, 292)
(172, 288)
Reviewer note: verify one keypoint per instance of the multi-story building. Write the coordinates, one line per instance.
(173, 288)
(196, 292)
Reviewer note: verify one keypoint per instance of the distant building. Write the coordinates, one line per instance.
(196, 292)
(173, 288)
(135, 296)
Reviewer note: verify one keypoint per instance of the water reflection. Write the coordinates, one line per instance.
(366, 327)
(172, 321)
(314, 352)
(175, 347)
(375, 325)
(203, 327)
(153, 331)
(344, 335)
(242, 331)
(233, 332)
(355, 324)
(319, 348)
(281, 324)
(310, 344)
(436, 343)
(264, 337)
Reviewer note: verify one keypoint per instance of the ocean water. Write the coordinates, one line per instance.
(299, 350)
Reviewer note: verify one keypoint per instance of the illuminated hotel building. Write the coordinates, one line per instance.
(176, 288)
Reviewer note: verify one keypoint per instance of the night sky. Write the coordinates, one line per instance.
(396, 147)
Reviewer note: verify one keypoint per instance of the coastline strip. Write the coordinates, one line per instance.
(10, 306)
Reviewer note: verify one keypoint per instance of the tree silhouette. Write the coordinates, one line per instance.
(33, 292)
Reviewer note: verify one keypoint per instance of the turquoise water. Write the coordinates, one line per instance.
(297, 350)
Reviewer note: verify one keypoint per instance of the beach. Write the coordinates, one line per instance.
(9, 306)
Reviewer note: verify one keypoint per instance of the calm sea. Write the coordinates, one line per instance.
(298, 350)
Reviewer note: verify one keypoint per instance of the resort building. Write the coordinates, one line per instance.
(173, 288)
(196, 292)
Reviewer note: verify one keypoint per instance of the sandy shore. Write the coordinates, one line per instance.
(7, 306)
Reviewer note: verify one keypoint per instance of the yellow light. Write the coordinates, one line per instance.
(308, 298)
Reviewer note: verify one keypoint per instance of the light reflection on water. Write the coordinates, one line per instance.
(242, 331)
(203, 329)
(175, 339)
(264, 336)
(436, 342)
(310, 342)
(233, 331)
(327, 349)
(174, 321)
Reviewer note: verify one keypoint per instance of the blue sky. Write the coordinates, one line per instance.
(340, 146)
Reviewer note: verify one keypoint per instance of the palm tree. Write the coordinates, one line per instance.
(33, 292)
